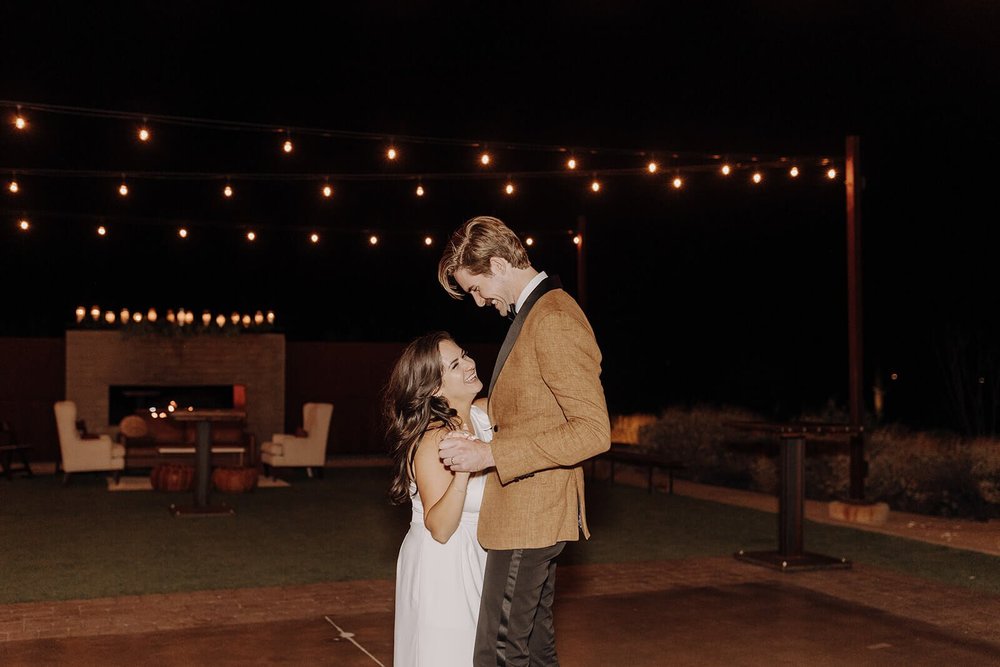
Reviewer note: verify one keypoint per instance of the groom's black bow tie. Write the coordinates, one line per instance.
(511, 312)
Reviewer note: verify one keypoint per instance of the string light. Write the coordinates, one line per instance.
(123, 316)
(428, 241)
(529, 241)
(576, 239)
(142, 131)
(251, 236)
(220, 320)
(109, 317)
(373, 240)
(314, 237)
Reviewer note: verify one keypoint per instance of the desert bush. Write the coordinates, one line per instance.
(926, 472)
(625, 428)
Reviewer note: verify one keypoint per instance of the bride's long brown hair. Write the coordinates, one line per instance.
(410, 408)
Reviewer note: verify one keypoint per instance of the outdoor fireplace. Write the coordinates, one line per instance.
(110, 375)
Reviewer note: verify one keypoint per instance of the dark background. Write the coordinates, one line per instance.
(722, 292)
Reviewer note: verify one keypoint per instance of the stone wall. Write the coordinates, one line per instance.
(95, 360)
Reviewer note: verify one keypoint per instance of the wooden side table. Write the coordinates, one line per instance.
(7, 454)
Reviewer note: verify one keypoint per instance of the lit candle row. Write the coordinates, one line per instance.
(181, 318)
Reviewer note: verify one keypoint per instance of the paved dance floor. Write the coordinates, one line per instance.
(713, 611)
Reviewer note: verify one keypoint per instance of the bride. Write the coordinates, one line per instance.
(439, 572)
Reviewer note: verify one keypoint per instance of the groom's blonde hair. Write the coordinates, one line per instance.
(473, 244)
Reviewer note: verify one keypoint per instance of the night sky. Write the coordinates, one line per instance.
(747, 284)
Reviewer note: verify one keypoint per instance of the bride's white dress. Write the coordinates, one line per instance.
(438, 586)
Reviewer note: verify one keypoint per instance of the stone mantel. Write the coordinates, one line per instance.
(96, 360)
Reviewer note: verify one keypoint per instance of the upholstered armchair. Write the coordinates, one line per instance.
(85, 454)
(304, 449)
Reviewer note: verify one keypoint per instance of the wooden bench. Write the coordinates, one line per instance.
(632, 455)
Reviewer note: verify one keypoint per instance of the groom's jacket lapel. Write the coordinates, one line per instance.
(550, 283)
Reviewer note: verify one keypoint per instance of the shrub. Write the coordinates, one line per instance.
(925, 472)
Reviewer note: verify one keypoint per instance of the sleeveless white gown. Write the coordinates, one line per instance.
(438, 586)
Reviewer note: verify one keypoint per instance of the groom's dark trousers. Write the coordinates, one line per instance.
(515, 614)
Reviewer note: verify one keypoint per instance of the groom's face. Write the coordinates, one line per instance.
(487, 289)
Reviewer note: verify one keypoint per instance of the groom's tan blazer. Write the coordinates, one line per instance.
(548, 406)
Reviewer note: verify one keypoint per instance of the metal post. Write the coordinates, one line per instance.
(581, 262)
(791, 506)
(203, 448)
(852, 182)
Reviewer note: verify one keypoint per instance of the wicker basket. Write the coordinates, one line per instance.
(234, 479)
(172, 477)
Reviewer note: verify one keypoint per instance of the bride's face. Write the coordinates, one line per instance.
(459, 381)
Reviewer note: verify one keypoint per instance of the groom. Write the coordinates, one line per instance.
(548, 406)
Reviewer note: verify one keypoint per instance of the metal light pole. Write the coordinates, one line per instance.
(853, 184)
(581, 262)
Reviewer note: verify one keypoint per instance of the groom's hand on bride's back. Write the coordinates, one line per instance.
(461, 451)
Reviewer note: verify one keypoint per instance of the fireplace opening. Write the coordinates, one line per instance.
(124, 400)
